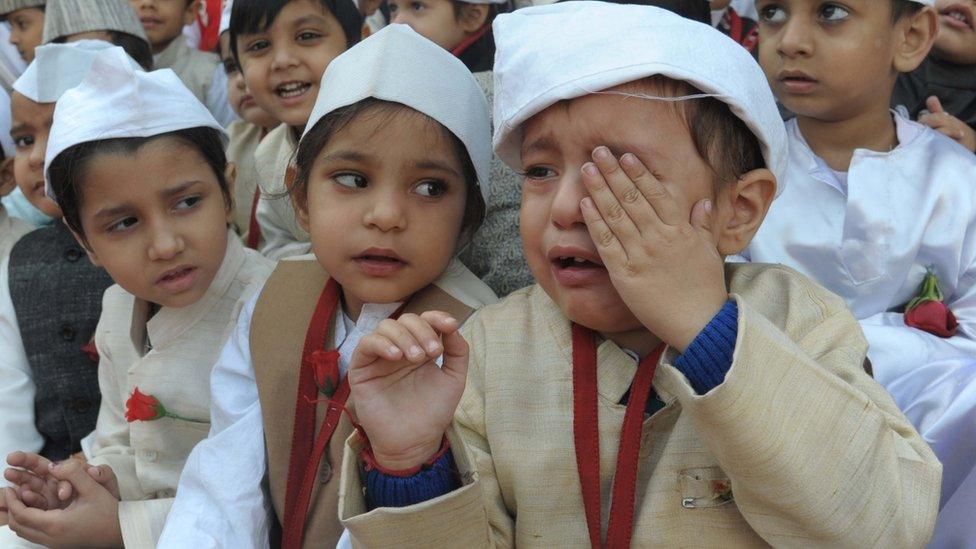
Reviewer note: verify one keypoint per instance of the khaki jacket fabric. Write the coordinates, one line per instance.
(816, 453)
(170, 357)
(281, 234)
(194, 67)
(244, 140)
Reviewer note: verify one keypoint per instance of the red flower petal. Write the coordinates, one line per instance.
(932, 317)
(142, 407)
(325, 366)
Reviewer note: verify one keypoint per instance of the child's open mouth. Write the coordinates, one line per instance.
(576, 268)
(796, 82)
(959, 17)
(292, 90)
(179, 279)
(379, 262)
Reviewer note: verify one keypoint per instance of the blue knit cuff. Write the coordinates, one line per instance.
(384, 490)
(709, 357)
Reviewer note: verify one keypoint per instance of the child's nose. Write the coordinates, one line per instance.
(386, 213)
(165, 242)
(565, 210)
(796, 39)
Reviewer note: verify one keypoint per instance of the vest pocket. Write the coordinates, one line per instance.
(704, 488)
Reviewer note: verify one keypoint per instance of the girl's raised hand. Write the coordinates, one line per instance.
(403, 400)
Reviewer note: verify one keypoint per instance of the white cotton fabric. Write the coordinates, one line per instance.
(225, 17)
(7, 142)
(397, 64)
(546, 54)
(59, 67)
(116, 100)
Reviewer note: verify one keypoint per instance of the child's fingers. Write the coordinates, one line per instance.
(373, 347)
(653, 191)
(34, 499)
(402, 338)
(934, 105)
(624, 189)
(701, 219)
(423, 333)
(73, 472)
(607, 245)
(609, 208)
(441, 321)
(32, 462)
(65, 490)
(28, 523)
(456, 354)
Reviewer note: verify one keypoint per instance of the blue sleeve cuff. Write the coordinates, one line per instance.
(709, 357)
(384, 490)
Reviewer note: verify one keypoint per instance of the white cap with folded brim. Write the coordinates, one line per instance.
(59, 67)
(115, 100)
(546, 54)
(396, 64)
(6, 141)
(225, 17)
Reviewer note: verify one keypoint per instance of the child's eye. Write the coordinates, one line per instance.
(121, 225)
(538, 172)
(230, 66)
(257, 46)
(833, 13)
(432, 188)
(187, 203)
(305, 36)
(417, 6)
(351, 180)
(23, 141)
(772, 14)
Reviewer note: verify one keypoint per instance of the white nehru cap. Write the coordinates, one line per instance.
(6, 141)
(225, 17)
(546, 54)
(59, 67)
(116, 100)
(396, 64)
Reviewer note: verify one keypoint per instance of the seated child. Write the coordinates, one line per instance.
(163, 21)
(741, 29)
(110, 20)
(391, 182)
(873, 202)
(26, 20)
(309, 34)
(651, 147)
(245, 134)
(941, 92)
(137, 165)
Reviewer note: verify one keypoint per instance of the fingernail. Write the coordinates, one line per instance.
(433, 347)
(590, 169)
(586, 203)
(629, 159)
(601, 153)
(393, 350)
(450, 320)
(416, 351)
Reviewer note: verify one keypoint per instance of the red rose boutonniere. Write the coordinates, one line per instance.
(142, 407)
(325, 366)
(928, 312)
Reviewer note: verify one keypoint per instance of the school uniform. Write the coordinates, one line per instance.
(495, 252)
(244, 140)
(954, 85)
(869, 235)
(726, 468)
(283, 236)
(253, 409)
(168, 355)
(194, 67)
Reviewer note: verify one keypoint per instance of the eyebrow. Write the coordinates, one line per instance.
(125, 208)
(17, 129)
(354, 156)
(307, 19)
(542, 144)
(435, 166)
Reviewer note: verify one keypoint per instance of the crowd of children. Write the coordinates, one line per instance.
(445, 273)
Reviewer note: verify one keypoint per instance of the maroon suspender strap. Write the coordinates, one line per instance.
(586, 435)
(254, 229)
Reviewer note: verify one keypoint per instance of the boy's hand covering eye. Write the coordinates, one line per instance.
(403, 400)
(666, 268)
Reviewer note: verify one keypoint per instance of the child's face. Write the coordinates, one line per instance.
(30, 126)
(283, 65)
(163, 20)
(828, 61)
(162, 238)
(26, 31)
(237, 95)
(956, 41)
(555, 145)
(435, 20)
(385, 203)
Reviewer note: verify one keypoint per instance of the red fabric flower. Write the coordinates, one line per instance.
(91, 351)
(928, 312)
(325, 366)
(142, 407)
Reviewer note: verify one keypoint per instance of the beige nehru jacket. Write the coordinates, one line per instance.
(281, 234)
(194, 67)
(244, 139)
(816, 453)
(148, 456)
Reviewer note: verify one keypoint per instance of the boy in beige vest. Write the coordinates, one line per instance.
(651, 148)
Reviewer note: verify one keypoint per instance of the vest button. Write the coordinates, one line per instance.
(67, 332)
(81, 405)
(73, 254)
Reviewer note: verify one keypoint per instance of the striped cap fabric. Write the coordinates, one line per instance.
(67, 17)
(9, 6)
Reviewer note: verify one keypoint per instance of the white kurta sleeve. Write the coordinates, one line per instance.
(222, 498)
(17, 428)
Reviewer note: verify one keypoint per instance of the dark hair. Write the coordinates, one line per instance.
(68, 169)
(137, 48)
(326, 128)
(901, 8)
(696, 10)
(494, 10)
(252, 16)
(721, 138)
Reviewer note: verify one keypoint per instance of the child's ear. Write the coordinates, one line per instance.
(472, 17)
(741, 212)
(917, 33)
(7, 182)
(369, 7)
(230, 175)
(84, 244)
(190, 15)
(299, 203)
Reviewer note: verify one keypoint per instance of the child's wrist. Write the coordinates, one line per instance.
(405, 463)
(697, 318)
